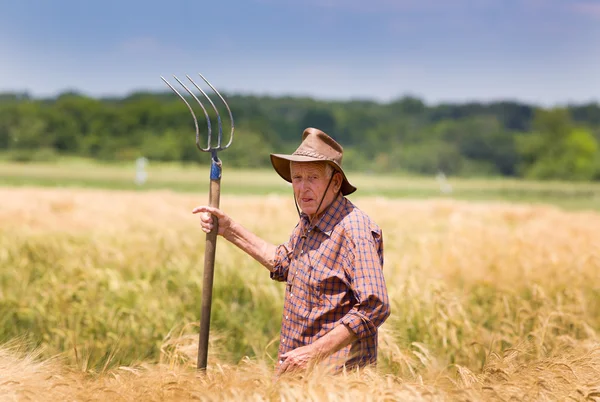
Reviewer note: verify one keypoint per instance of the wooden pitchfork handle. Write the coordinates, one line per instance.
(214, 196)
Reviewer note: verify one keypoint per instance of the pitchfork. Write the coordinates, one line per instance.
(214, 196)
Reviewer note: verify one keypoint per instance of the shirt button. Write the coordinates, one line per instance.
(287, 317)
(283, 340)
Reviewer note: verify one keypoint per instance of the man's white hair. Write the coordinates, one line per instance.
(329, 170)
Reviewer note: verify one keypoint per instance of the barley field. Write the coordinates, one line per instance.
(100, 293)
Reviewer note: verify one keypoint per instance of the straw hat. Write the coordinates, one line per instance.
(316, 146)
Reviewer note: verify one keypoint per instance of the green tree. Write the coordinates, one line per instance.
(319, 118)
(250, 150)
(557, 149)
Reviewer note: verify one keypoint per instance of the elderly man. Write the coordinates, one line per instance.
(336, 297)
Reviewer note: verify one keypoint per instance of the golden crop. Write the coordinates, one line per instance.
(100, 294)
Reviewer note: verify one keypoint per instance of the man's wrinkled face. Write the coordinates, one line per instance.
(309, 181)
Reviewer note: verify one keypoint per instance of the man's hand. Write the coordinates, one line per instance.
(301, 357)
(206, 219)
(235, 233)
(298, 358)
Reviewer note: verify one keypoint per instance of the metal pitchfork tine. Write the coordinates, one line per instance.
(214, 198)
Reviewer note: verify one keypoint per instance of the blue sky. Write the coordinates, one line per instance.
(545, 52)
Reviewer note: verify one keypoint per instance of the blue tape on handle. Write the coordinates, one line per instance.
(215, 169)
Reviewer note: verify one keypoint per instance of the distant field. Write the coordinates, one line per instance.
(194, 178)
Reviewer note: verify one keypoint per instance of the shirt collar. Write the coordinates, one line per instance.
(331, 216)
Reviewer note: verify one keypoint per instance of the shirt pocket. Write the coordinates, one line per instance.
(333, 290)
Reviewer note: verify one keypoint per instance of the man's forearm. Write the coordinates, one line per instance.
(253, 245)
(334, 340)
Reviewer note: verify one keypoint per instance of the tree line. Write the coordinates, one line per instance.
(505, 138)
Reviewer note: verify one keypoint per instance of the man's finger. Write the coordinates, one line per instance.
(213, 211)
(206, 217)
(204, 208)
(283, 367)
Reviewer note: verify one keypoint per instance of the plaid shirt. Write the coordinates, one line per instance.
(334, 276)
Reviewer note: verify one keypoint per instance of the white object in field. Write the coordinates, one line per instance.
(140, 171)
(445, 187)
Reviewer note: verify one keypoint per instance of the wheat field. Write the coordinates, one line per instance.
(100, 294)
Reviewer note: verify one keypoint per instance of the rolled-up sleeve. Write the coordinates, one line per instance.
(372, 306)
(283, 255)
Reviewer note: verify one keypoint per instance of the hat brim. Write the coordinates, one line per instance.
(281, 164)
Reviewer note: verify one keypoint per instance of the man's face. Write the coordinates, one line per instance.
(309, 181)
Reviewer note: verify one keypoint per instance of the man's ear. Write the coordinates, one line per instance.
(338, 179)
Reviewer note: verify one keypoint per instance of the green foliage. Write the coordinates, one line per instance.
(427, 158)
(166, 147)
(404, 135)
(250, 151)
(558, 149)
(32, 155)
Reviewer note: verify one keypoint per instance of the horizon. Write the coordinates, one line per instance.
(158, 92)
